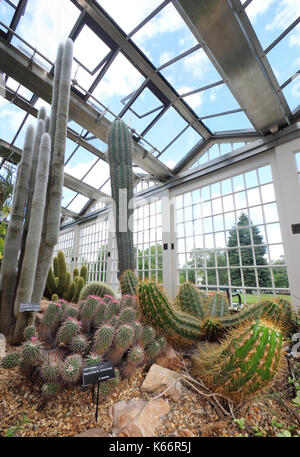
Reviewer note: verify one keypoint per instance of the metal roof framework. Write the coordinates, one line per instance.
(243, 67)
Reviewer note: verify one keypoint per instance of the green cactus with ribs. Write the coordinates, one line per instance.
(60, 283)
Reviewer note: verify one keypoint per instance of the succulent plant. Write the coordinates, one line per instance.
(244, 364)
(95, 288)
(50, 368)
(68, 330)
(71, 369)
(128, 283)
(103, 339)
(65, 344)
(49, 389)
(10, 360)
(59, 281)
(120, 164)
(189, 299)
(29, 332)
(32, 352)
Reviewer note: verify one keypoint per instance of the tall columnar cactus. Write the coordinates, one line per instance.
(26, 282)
(9, 268)
(58, 132)
(35, 217)
(120, 163)
(244, 364)
(217, 305)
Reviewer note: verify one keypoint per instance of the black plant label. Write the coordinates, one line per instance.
(29, 307)
(98, 373)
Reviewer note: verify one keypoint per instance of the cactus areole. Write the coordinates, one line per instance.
(120, 164)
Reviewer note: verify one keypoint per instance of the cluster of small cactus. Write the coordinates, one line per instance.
(60, 283)
(71, 336)
(239, 354)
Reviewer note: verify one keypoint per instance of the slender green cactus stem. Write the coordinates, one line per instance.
(14, 236)
(120, 162)
(25, 287)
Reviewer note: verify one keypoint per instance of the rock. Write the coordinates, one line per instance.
(139, 418)
(159, 378)
(93, 433)
(169, 359)
(2, 345)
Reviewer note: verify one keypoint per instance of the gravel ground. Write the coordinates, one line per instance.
(23, 414)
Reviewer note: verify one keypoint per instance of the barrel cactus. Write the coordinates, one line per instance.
(96, 288)
(242, 365)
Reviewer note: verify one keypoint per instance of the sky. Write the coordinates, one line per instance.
(163, 38)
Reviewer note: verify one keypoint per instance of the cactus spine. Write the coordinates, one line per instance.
(120, 163)
(245, 363)
(191, 300)
(184, 330)
(128, 282)
(59, 280)
(95, 288)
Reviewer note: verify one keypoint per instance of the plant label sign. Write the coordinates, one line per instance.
(29, 307)
(98, 373)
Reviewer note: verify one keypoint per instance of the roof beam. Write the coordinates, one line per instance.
(227, 36)
(203, 146)
(140, 61)
(22, 69)
(14, 154)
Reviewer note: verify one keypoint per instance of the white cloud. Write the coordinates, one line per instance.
(10, 115)
(128, 14)
(197, 64)
(121, 79)
(258, 8)
(165, 57)
(286, 12)
(167, 21)
(48, 23)
(194, 100)
(170, 163)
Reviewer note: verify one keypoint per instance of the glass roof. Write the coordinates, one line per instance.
(118, 86)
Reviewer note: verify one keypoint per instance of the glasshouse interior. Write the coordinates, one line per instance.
(150, 218)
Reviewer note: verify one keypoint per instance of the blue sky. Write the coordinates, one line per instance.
(164, 37)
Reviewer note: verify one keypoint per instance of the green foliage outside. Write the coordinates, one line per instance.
(198, 258)
(150, 260)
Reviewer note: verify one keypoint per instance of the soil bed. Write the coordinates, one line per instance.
(23, 412)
